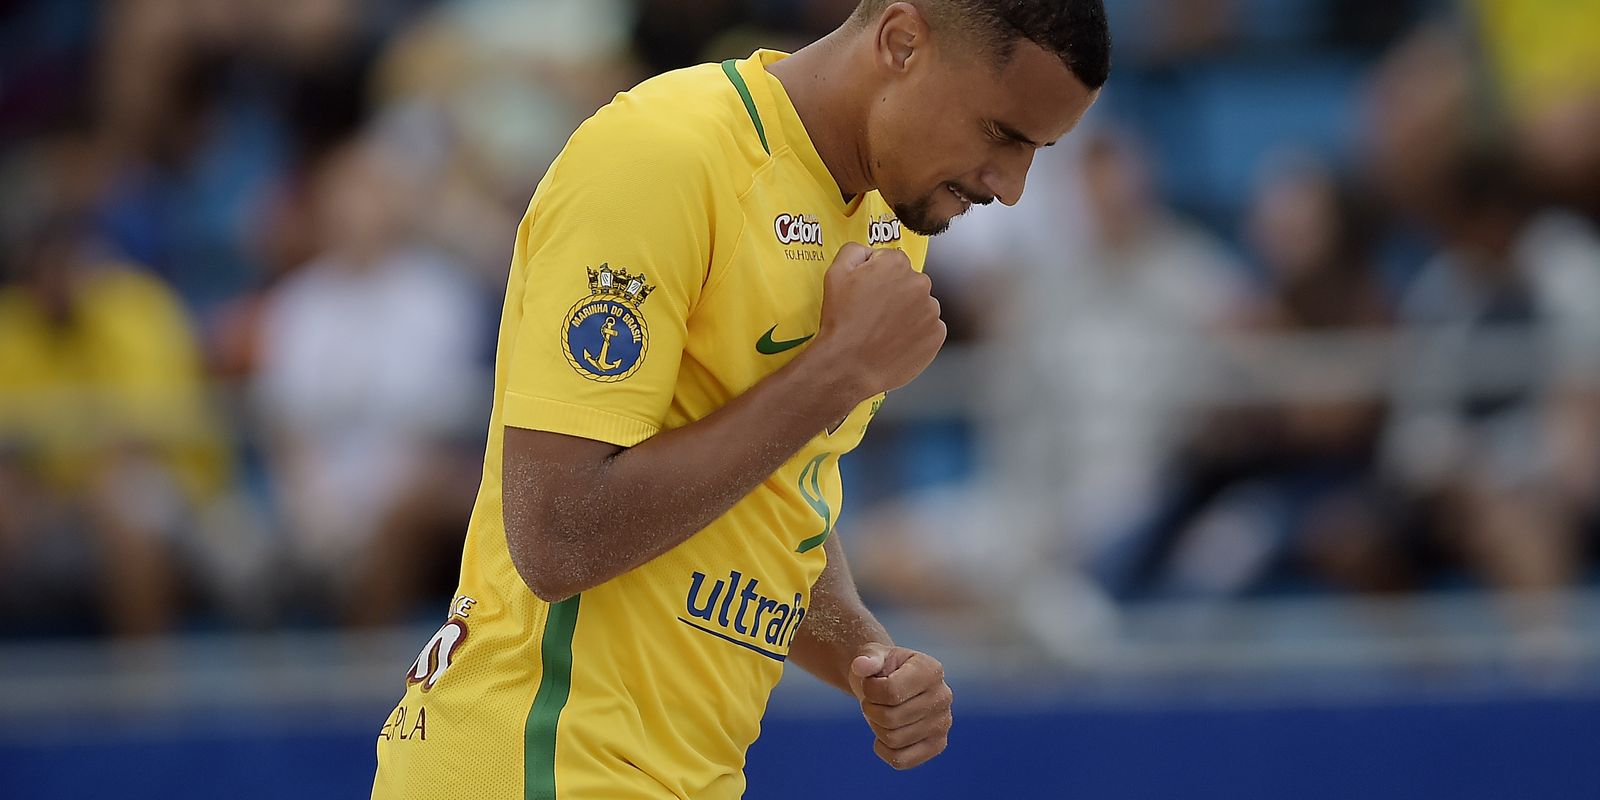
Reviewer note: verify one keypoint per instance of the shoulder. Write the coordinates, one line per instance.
(679, 126)
(126, 289)
(128, 282)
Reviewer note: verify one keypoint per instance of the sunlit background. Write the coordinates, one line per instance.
(1263, 462)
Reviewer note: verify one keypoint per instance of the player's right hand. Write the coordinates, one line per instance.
(880, 321)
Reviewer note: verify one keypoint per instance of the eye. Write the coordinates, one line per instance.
(994, 134)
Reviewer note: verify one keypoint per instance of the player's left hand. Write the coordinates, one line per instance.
(906, 702)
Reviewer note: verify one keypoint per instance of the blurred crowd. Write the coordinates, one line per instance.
(1310, 303)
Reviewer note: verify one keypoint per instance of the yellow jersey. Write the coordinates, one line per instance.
(1543, 51)
(125, 369)
(672, 257)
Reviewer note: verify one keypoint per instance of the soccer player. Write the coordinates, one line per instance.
(713, 288)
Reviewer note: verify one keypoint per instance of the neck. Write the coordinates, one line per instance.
(822, 81)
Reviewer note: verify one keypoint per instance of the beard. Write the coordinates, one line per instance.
(918, 216)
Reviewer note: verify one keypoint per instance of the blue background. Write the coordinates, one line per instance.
(1493, 747)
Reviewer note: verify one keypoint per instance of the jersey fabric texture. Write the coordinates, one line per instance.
(672, 257)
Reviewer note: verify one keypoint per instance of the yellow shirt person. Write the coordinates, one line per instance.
(707, 303)
(122, 369)
(626, 244)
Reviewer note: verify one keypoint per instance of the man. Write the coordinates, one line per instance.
(108, 446)
(368, 374)
(676, 380)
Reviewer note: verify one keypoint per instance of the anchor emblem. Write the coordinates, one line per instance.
(607, 332)
(605, 336)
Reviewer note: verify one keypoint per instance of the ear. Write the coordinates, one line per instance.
(902, 31)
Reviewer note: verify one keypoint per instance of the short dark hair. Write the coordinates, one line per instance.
(1074, 30)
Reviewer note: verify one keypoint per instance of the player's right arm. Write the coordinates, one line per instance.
(591, 485)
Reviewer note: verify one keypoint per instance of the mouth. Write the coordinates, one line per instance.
(966, 202)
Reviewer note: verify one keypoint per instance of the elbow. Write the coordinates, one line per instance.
(540, 564)
(550, 590)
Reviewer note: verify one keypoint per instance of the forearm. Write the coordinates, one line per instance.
(674, 483)
(837, 624)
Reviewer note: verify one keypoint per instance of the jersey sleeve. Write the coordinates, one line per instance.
(608, 265)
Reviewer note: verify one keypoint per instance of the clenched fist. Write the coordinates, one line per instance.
(906, 702)
(880, 323)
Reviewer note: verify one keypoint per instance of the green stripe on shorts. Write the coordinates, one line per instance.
(539, 736)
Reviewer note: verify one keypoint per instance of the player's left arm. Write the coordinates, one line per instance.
(902, 692)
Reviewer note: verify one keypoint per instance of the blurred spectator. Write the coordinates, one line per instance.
(370, 379)
(203, 107)
(1504, 317)
(1420, 116)
(1547, 67)
(1098, 339)
(1177, 30)
(44, 56)
(1109, 347)
(1165, 33)
(189, 158)
(1139, 406)
(802, 20)
(671, 34)
(1263, 479)
(108, 449)
(482, 94)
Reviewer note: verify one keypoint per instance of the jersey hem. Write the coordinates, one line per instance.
(556, 416)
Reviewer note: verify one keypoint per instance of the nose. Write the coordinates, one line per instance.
(1008, 176)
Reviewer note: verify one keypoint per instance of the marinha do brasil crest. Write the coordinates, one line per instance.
(604, 336)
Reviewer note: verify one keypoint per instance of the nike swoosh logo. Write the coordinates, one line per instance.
(768, 347)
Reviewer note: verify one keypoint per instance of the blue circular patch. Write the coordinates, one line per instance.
(604, 340)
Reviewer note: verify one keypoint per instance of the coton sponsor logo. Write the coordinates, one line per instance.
(883, 230)
(798, 229)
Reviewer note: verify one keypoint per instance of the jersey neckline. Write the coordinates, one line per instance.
(778, 123)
